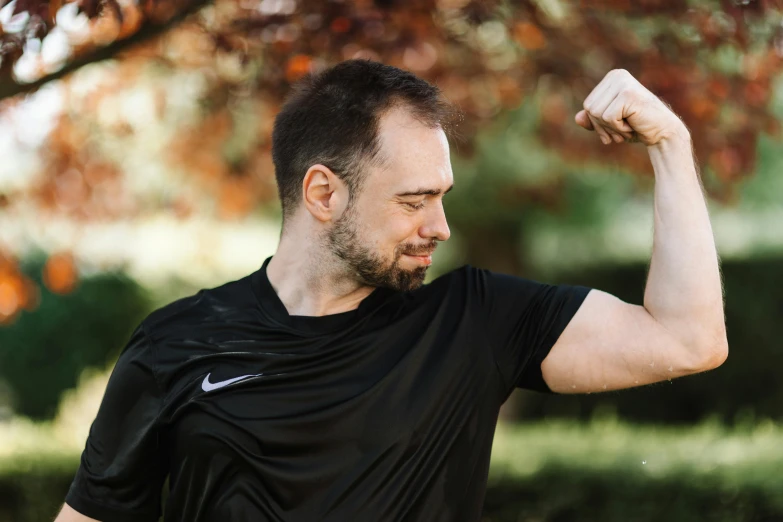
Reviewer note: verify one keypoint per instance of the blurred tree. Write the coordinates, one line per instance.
(42, 355)
(713, 61)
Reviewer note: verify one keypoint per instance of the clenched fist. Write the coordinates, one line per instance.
(620, 108)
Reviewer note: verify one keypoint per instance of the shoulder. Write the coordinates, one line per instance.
(487, 288)
(231, 301)
(456, 283)
(464, 278)
(450, 279)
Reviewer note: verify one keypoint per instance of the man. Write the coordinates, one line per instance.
(330, 384)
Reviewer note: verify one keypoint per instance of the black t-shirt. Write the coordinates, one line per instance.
(383, 413)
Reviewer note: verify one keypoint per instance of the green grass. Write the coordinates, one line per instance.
(612, 471)
(707, 450)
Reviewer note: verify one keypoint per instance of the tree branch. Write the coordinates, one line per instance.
(9, 88)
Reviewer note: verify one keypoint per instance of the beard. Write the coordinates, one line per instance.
(370, 267)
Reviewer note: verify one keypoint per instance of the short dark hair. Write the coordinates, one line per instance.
(333, 117)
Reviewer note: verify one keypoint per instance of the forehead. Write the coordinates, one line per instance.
(413, 154)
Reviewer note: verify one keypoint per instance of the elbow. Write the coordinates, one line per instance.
(717, 356)
(710, 354)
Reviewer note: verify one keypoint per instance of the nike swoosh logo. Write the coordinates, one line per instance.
(209, 386)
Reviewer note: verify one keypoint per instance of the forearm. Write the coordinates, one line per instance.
(684, 291)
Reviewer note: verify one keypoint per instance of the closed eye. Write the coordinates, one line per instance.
(415, 206)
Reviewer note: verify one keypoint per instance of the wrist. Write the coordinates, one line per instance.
(679, 137)
(673, 156)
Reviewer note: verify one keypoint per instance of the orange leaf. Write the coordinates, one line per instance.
(340, 25)
(59, 273)
(297, 67)
(529, 36)
(11, 297)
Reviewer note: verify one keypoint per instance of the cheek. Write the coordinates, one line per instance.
(388, 228)
(402, 227)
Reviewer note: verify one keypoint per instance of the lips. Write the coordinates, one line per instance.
(426, 259)
(423, 254)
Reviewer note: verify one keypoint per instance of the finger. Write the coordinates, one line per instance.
(589, 104)
(602, 132)
(603, 135)
(582, 120)
(596, 94)
(600, 99)
(617, 138)
(613, 135)
(606, 105)
(595, 105)
(614, 117)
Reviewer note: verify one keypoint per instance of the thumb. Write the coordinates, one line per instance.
(582, 120)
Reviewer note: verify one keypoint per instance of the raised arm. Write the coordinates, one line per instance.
(680, 330)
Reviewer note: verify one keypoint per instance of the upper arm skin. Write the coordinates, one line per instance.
(610, 345)
(68, 514)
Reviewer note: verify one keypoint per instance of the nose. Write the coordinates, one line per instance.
(435, 225)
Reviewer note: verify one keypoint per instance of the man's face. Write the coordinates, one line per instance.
(391, 229)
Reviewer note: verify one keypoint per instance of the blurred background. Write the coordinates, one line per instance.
(135, 169)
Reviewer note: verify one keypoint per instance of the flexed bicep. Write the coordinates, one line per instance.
(610, 345)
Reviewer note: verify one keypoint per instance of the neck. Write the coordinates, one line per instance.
(310, 281)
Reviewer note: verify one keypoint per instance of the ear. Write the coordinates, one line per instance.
(324, 195)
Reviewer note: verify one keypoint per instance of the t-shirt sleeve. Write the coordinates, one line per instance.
(523, 320)
(122, 468)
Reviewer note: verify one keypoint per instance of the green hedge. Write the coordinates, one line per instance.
(603, 471)
(44, 351)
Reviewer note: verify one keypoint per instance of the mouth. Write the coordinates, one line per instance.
(424, 259)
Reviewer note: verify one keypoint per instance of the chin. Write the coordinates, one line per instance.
(408, 280)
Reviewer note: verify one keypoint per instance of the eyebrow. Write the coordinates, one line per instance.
(424, 192)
